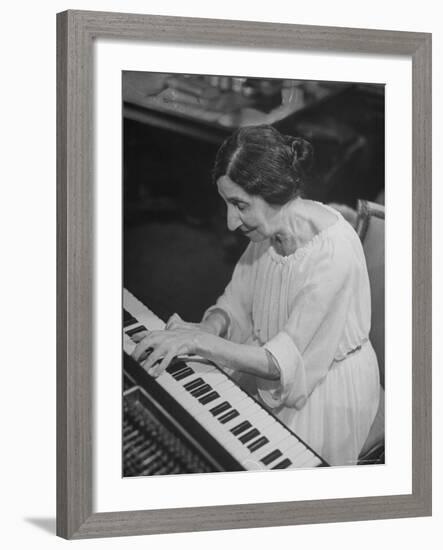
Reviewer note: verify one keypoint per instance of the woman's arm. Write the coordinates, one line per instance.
(236, 301)
(249, 359)
(216, 322)
(158, 349)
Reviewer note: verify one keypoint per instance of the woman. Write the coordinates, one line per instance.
(292, 325)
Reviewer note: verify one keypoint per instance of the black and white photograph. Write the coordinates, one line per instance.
(253, 273)
(231, 349)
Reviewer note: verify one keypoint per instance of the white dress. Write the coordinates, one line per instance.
(312, 311)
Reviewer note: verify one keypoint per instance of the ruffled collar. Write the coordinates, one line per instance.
(304, 249)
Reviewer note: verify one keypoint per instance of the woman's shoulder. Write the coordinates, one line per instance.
(338, 249)
(327, 244)
(335, 249)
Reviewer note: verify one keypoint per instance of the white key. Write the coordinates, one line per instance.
(184, 396)
(297, 451)
(262, 419)
(273, 444)
(285, 447)
(209, 373)
(254, 461)
(226, 394)
(259, 418)
(185, 399)
(245, 453)
(141, 312)
(128, 344)
(313, 463)
(306, 460)
(225, 438)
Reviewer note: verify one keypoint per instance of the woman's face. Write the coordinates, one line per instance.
(250, 214)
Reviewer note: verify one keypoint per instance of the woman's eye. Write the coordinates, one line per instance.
(241, 207)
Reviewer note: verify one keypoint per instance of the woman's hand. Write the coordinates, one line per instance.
(215, 323)
(175, 322)
(159, 348)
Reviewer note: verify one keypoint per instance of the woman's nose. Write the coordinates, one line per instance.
(233, 219)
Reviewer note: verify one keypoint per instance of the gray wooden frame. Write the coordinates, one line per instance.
(76, 31)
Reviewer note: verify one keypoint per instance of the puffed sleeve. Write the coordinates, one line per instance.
(236, 300)
(306, 346)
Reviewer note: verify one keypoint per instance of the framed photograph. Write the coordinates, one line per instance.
(240, 341)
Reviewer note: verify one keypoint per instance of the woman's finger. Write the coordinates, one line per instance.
(143, 347)
(158, 353)
(144, 355)
(182, 325)
(175, 322)
(171, 321)
(152, 338)
(138, 336)
(159, 368)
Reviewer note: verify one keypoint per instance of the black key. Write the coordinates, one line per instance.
(201, 390)
(241, 427)
(193, 384)
(126, 314)
(178, 372)
(228, 416)
(258, 443)
(180, 375)
(135, 330)
(249, 435)
(175, 366)
(182, 368)
(220, 408)
(209, 397)
(128, 319)
(271, 457)
(281, 465)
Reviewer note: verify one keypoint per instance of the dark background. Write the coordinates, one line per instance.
(178, 254)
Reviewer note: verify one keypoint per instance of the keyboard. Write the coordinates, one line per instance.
(241, 425)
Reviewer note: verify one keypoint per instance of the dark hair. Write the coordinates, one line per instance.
(265, 162)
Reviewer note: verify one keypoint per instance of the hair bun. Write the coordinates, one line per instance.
(302, 153)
